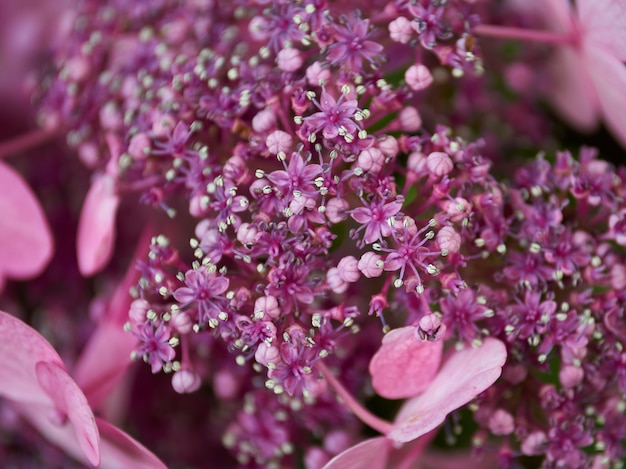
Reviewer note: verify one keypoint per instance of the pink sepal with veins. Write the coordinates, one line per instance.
(463, 376)
(589, 78)
(34, 378)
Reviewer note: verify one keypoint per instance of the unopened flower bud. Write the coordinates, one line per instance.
(186, 381)
(449, 240)
(268, 305)
(289, 60)
(371, 264)
(439, 164)
(348, 269)
(278, 141)
(418, 77)
(335, 282)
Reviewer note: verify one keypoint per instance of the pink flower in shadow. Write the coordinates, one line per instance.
(407, 366)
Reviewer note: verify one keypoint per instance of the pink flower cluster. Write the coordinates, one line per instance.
(296, 213)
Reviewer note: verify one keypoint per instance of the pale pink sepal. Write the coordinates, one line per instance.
(604, 24)
(572, 91)
(121, 450)
(22, 348)
(404, 365)
(369, 454)
(27, 245)
(70, 400)
(462, 377)
(96, 229)
(609, 76)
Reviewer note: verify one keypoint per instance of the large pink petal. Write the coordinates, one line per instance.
(609, 76)
(117, 449)
(26, 245)
(463, 376)
(120, 450)
(369, 454)
(604, 24)
(96, 229)
(571, 90)
(22, 348)
(404, 365)
(70, 400)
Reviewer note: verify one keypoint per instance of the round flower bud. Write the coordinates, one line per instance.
(185, 381)
(400, 30)
(348, 269)
(336, 210)
(138, 311)
(264, 121)
(182, 323)
(439, 164)
(371, 160)
(267, 355)
(371, 265)
(410, 120)
(418, 77)
(268, 305)
(449, 240)
(278, 141)
(289, 60)
(501, 423)
(139, 146)
(335, 282)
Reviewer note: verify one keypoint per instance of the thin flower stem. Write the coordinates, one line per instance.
(24, 142)
(507, 32)
(361, 412)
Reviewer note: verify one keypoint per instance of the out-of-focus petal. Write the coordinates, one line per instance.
(463, 376)
(26, 246)
(604, 23)
(571, 90)
(369, 454)
(22, 348)
(609, 77)
(105, 358)
(70, 400)
(96, 229)
(404, 365)
(117, 449)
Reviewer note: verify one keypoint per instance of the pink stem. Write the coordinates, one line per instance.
(507, 32)
(25, 142)
(361, 412)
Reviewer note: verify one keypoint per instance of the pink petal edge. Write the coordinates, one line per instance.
(70, 400)
(404, 365)
(96, 228)
(27, 244)
(463, 376)
(369, 454)
(121, 450)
